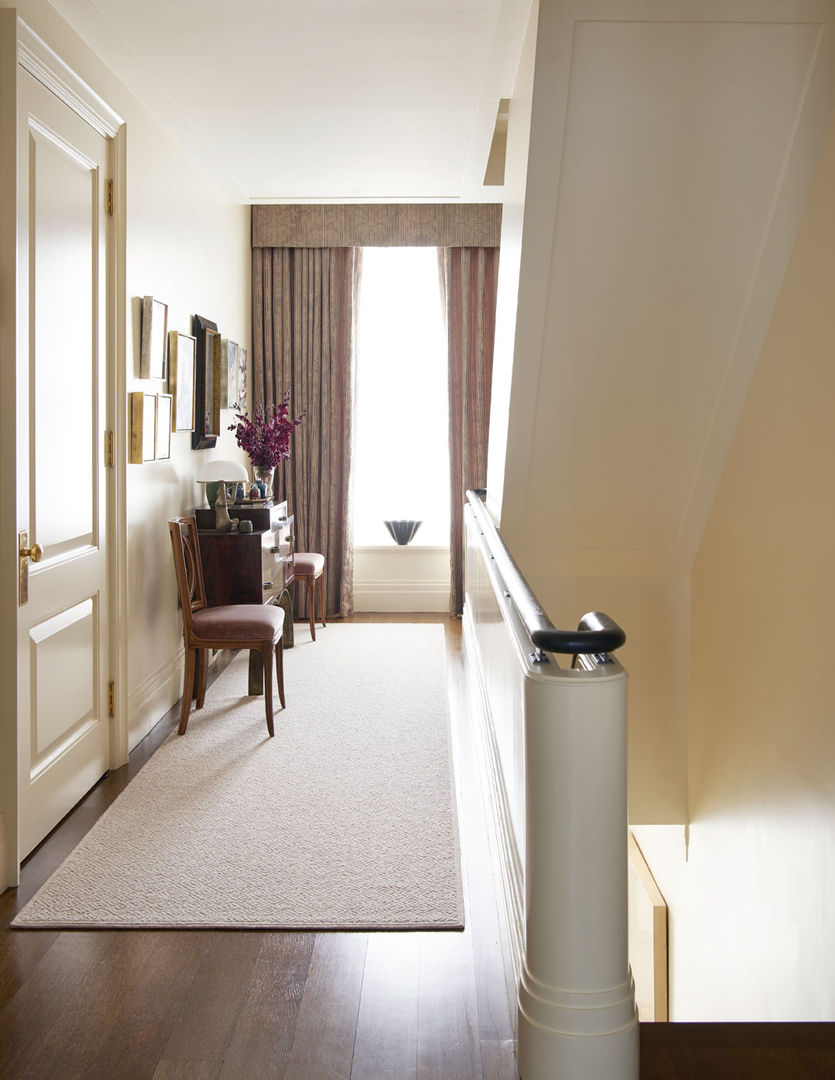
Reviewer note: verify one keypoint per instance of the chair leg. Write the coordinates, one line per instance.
(267, 653)
(311, 604)
(202, 672)
(322, 597)
(279, 670)
(188, 688)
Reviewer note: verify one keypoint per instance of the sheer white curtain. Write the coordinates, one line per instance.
(401, 457)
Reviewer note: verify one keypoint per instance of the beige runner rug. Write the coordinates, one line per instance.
(345, 820)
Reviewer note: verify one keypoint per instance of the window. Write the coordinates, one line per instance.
(401, 465)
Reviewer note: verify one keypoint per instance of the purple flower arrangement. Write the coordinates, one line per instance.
(266, 436)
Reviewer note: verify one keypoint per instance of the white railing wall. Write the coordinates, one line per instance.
(553, 748)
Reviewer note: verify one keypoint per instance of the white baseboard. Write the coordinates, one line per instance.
(151, 700)
(401, 596)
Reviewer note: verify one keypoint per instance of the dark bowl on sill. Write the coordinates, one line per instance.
(402, 531)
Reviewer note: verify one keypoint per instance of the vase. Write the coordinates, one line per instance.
(402, 531)
(264, 475)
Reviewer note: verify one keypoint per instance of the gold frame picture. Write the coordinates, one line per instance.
(164, 417)
(143, 427)
(182, 361)
(153, 338)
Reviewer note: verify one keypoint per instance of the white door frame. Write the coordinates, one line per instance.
(22, 49)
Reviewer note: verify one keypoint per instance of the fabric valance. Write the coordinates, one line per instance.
(376, 225)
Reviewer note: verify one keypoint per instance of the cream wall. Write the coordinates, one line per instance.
(652, 251)
(407, 577)
(508, 286)
(187, 245)
(753, 899)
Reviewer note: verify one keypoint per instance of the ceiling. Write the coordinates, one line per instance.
(294, 100)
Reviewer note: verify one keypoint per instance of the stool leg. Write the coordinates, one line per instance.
(322, 598)
(311, 605)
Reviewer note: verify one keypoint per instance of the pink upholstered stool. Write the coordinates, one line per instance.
(309, 567)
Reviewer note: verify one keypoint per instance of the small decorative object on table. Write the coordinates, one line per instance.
(266, 438)
(220, 476)
(402, 531)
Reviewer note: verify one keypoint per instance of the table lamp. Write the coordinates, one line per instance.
(217, 474)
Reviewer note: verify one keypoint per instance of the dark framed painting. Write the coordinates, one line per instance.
(206, 415)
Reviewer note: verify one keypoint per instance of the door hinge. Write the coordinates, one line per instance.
(109, 451)
(111, 693)
(108, 198)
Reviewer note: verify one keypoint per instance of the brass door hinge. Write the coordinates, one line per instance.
(108, 198)
(109, 451)
(111, 692)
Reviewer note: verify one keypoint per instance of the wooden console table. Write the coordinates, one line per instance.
(250, 568)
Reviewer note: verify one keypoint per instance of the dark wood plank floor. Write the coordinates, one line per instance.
(299, 1006)
(303, 1006)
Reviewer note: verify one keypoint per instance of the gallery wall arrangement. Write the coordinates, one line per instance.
(203, 372)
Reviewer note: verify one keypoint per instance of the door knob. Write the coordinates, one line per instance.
(35, 552)
(24, 553)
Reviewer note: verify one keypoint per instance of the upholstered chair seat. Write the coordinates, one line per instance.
(234, 621)
(309, 567)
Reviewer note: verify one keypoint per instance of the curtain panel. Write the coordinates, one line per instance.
(303, 328)
(469, 277)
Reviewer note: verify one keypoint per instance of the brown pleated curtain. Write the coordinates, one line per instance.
(469, 278)
(303, 328)
(305, 277)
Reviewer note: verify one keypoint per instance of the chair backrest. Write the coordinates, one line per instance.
(187, 566)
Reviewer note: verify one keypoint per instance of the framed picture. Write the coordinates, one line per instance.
(165, 405)
(205, 333)
(229, 378)
(143, 427)
(215, 377)
(153, 338)
(242, 383)
(182, 359)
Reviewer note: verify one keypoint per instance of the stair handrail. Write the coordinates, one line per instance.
(596, 633)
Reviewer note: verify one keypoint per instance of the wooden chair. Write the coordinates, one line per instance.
(233, 626)
(309, 567)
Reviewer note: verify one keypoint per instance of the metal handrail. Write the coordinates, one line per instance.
(596, 633)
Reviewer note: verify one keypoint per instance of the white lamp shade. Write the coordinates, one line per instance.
(218, 469)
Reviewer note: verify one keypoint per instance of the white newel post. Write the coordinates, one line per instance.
(577, 1015)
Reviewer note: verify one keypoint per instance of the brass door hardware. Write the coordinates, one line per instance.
(24, 554)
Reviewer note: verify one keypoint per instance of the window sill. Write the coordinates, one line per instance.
(413, 546)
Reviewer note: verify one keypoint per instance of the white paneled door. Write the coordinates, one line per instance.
(63, 654)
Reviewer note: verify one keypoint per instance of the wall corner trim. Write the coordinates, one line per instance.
(36, 57)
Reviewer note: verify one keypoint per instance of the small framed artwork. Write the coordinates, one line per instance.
(182, 358)
(229, 378)
(242, 384)
(165, 405)
(204, 435)
(215, 377)
(143, 427)
(153, 338)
